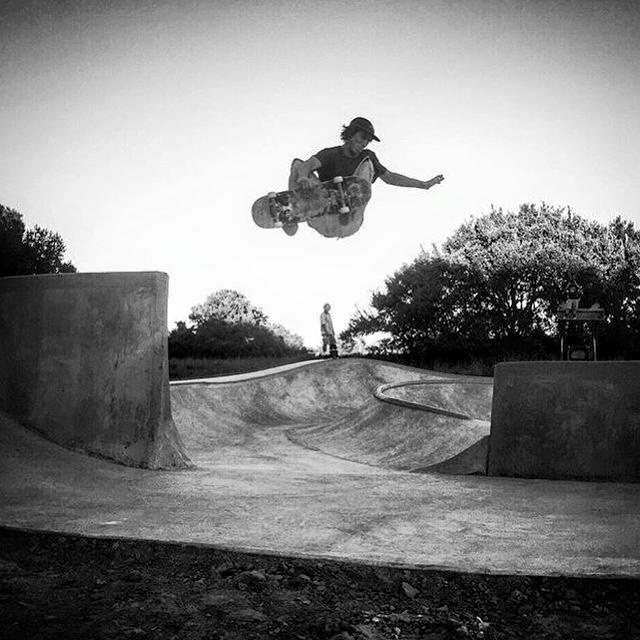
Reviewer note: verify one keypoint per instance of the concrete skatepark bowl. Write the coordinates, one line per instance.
(350, 459)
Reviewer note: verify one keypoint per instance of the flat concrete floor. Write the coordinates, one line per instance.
(264, 482)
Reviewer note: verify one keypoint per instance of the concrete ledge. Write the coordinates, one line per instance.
(435, 398)
(84, 363)
(566, 420)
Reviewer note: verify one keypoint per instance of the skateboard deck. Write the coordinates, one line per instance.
(334, 208)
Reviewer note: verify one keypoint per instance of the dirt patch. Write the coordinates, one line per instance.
(55, 586)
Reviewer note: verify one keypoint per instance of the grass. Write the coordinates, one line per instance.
(473, 366)
(190, 368)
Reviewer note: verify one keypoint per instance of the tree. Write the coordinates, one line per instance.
(428, 307)
(182, 341)
(45, 250)
(497, 282)
(230, 306)
(25, 252)
(291, 340)
(227, 325)
(12, 256)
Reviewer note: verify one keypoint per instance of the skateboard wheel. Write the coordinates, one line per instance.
(343, 210)
(271, 195)
(278, 224)
(290, 228)
(338, 179)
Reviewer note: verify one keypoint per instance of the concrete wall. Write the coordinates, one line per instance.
(83, 361)
(571, 420)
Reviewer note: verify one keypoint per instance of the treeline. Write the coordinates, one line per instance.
(227, 325)
(29, 251)
(492, 291)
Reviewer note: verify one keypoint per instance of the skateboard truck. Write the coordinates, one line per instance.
(273, 208)
(334, 208)
(278, 209)
(344, 208)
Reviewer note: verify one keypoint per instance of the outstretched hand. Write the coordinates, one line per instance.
(430, 183)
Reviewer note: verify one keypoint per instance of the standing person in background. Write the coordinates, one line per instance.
(574, 291)
(327, 332)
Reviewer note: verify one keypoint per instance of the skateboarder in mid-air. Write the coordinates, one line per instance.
(331, 189)
(352, 158)
(327, 332)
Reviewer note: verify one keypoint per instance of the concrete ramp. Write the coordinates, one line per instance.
(256, 490)
(332, 407)
(84, 364)
(392, 437)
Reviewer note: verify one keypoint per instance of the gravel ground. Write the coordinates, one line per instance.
(55, 586)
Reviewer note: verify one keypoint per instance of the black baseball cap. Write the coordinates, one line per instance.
(364, 125)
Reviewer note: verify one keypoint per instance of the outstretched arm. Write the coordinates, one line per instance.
(398, 180)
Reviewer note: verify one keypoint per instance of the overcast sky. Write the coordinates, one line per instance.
(143, 131)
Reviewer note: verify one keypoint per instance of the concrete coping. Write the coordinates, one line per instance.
(250, 375)
(380, 394)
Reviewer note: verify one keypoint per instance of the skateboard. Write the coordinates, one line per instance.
(334, 208)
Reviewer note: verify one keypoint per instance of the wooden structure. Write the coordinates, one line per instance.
(578, 331)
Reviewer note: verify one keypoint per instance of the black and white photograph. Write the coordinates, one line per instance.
(319, 320)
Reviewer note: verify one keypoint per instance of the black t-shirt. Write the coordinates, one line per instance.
(334, 163)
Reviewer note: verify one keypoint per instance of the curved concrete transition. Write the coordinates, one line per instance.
(83, 361)
(308, 462)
